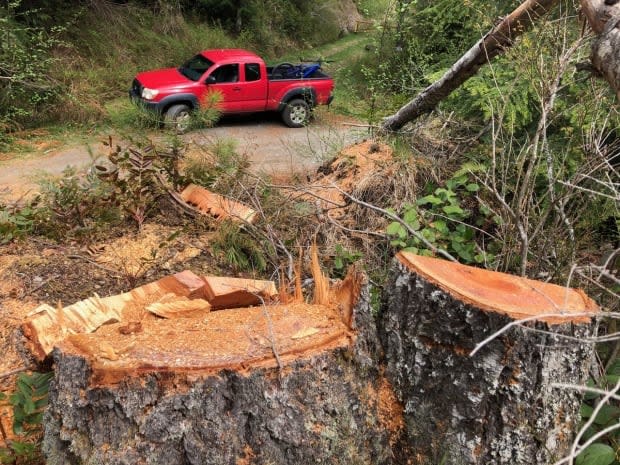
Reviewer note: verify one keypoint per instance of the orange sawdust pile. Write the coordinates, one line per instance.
(134, 255)
(356, 167)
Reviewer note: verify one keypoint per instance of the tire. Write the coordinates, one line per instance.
(296, 113)
(179, 118)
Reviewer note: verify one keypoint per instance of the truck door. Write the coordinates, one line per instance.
(254, 88)
(242, 87)
(225, 80)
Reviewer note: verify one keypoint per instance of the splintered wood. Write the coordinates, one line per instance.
(183, 295)
(236, 292)
(217, 205)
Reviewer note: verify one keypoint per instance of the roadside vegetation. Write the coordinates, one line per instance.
(517, 171)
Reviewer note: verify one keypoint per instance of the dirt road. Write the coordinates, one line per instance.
(271, 147)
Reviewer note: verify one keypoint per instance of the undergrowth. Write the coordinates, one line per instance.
(27, 403)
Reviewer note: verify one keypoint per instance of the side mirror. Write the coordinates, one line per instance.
(210, 80)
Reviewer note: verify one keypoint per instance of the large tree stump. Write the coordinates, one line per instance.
(293, 383)
(498, 406)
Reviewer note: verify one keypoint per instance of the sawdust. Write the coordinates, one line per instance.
(154, 245)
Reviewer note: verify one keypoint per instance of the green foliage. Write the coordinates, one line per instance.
(73, 204)
(596, 454)
(496, 88)
(28, 403)
(343, 258)
(238, 249)
(16, 222)
(26, 84)
(441, 218)
(604, 450)
(135, 178)
(273, 25)
(126, 115)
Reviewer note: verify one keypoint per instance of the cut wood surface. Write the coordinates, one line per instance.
(218, 206)
(48, 325)
(173, 306)
(236, 339)
(296, 382)
(497, 406)
(224, 292)
(514, 296)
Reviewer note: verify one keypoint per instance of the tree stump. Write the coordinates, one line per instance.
(293, 383)
(498, 406)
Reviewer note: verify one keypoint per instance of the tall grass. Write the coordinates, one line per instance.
(108, 51)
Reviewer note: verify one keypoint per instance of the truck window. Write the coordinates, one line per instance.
(195, 67)
(252, 72)
(226, 73)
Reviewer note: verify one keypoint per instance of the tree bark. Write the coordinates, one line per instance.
(604, 18)
(492, 44)
(498, 406)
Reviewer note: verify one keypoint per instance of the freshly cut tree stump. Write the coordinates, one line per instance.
(499, 405)
(294, 383)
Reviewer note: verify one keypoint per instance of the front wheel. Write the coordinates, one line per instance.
(296, 113)
(179, 118)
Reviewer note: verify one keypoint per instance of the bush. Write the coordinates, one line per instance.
(27, 88)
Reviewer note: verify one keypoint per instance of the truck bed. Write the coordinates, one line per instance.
(318, 74)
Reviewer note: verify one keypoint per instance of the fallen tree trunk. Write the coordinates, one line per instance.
(498, 405)
(604, 19)
(492, 44)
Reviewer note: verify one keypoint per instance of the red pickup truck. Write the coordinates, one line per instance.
(244, 82)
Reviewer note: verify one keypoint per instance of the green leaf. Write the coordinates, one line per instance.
(606, 414)
(429, 199)
(453, 210)
(586, 411)
(414, 250)
(410, 216)
(393, 229)
(473, 187)
(440, 226)
(596, 454)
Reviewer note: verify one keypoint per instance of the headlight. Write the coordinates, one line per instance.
(149, 94)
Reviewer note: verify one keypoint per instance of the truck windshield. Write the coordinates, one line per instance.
(195, 67)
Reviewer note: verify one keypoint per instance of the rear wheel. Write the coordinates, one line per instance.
(296, 113)
(179, 118)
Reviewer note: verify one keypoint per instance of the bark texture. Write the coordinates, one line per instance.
(329, 407)
(491, 45)
(497, 406)
(604, 18)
